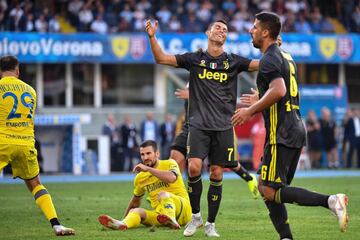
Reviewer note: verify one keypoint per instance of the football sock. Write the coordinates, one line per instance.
(243, 173)
(214, 199)
(132, 220)
(43, 200)
(301, 196)
(167, 206)
(195, 190)
(54, 221)
(279, 218)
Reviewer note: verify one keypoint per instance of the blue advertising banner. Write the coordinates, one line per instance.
(315, 97)
(134, 48)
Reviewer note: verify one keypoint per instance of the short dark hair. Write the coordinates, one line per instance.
(148, 143)
(270, 21)
(8, 63)
(220, 20)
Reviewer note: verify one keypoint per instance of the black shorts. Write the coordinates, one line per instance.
(180, 141)
(279, 165)
(218, 146)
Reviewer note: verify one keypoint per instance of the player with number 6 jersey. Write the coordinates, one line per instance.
(285, 132)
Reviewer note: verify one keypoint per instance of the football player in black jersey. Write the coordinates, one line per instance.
(285, 132)
(212, 102)
(178, 149)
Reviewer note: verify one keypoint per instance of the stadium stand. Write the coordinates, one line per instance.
(174, 16)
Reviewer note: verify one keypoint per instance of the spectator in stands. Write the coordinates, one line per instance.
(347, 9)
(204, 13)
(41, 24)
(279, 7)
(2, 18)
(126, 13)
(111, 20)
(30, 27)
(356, 18)
(129, 143)
(302, 25)
(328, 131)
(327, 26)
(319, 24)
(174, 24)
(74, 8)
(289, 23)
(16, 19)
(192, 6)
(145, 6)
(85, 17)
(139, 18)
(177, 7)
(124, 25)
(314, 138)
(192, 24)
(80, 13)
(294, 6)
(109, 129)
(237, 23)
(99, 25)
(164, 16)
(167, 134)
(349, 139)
(54, 25)
(352, 136)
(149, 129)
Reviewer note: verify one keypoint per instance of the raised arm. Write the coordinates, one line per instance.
(159, 55)
(134, 203)
(164, 175)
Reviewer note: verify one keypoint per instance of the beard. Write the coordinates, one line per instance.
(150, 163)
(256, 44)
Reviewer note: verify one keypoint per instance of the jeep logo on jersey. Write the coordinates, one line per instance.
(217, 76)
(213, 65)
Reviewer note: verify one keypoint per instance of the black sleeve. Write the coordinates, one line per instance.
(270, 67)
(242, 63)
(184, 60)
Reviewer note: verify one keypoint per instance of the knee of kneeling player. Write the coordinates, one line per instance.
(267, 193)
(136, 210)
(163, 194)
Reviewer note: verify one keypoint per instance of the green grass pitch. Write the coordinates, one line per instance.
(240, 217)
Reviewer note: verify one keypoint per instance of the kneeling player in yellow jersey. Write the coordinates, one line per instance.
(17, 141)
(162, 180)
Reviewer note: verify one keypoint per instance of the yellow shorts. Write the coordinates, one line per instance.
(23, 160)
(183, 212)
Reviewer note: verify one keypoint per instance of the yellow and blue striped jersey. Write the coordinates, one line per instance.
(146, 182)
(17, 108)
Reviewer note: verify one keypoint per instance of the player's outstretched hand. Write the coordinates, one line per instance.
(240, 116)
(150, 28)
(182, 93)
(140, 168)
(247, 100)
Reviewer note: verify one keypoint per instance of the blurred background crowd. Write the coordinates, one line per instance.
(114, 16)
